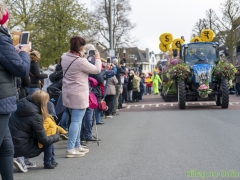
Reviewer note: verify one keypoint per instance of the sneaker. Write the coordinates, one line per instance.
(74, 154)
(51, 166)
(100, 123)
(29, 164)
(114, 114)
(54, 164)
(117, 110)
(108, 117)
(64, 136)
(20, 165)
(83, 150)
(92, 140)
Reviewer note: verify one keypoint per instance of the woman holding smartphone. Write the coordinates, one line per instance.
(13, 63)
(75, 91)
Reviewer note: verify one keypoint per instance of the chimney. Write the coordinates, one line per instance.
(147, 54)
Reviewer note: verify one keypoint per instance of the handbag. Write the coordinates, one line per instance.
(40, 84)
(102, 106)
(93, 104)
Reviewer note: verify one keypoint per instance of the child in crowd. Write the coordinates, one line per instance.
(148, 82)
(50, 128)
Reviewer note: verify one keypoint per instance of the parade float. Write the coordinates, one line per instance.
(194, 70)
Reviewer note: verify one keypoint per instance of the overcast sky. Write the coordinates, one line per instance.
(154, 17)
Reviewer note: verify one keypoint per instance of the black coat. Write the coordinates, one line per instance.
(26, 126)
(120, 71)
(130, 83)
(35, 70)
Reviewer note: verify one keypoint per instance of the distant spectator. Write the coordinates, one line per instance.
(47, 81)
(120, 70)
(34, 73)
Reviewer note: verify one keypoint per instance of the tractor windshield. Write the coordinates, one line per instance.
(200, 52)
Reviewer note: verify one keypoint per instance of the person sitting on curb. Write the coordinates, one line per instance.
(26, 126)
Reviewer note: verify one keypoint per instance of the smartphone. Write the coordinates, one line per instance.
(91, 52)
(108, 60)
(24, 38)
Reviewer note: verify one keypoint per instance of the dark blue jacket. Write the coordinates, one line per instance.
(98, 77)
(141, 84)
(120, 70)
(12, 64)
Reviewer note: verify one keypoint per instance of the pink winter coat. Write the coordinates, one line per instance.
(75, 89)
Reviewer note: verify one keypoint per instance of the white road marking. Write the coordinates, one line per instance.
(200, 104)
(143, 106)
(171, 104)
(128, 107)
(164, 104)
(157, 105)
(186, 104)
(231, 104)
(150, 105)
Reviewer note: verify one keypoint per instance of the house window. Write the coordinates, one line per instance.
(238, 49)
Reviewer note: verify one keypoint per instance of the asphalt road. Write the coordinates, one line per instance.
(154, 145)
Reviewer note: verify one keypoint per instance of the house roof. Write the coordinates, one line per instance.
(134, 52)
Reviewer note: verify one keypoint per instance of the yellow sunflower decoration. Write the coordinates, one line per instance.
(163, 47)
(166, 38)
(176, 44)
(196, 39)
(207, 35)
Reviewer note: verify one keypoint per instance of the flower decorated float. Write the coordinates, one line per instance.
(194, 71)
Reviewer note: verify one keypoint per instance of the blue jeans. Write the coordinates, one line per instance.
(120, 101)
(51, 109)
(30, 91)
(86, 132)
(140, 94)
(98, 115)
(237, 89)
(74, 130)
(48, 157)
(65, 119)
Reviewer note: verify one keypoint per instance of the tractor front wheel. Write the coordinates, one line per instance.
(224, 99)
(181, 95)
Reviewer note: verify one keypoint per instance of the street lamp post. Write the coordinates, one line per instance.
(124, 53)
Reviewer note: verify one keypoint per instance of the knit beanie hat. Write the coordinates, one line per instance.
(4, 17)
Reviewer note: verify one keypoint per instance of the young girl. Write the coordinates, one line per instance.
(148, 82)
(50, 128)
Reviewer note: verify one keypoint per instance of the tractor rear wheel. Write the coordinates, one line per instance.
(224, 99)
(181, 95)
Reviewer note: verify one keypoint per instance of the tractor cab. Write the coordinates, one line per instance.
(199, 53)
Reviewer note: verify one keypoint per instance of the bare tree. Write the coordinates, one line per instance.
(206, 23)
(211, 18)
(121, 24)
(227, 25)
(199, 26)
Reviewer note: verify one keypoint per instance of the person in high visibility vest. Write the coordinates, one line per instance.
(156, 80)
